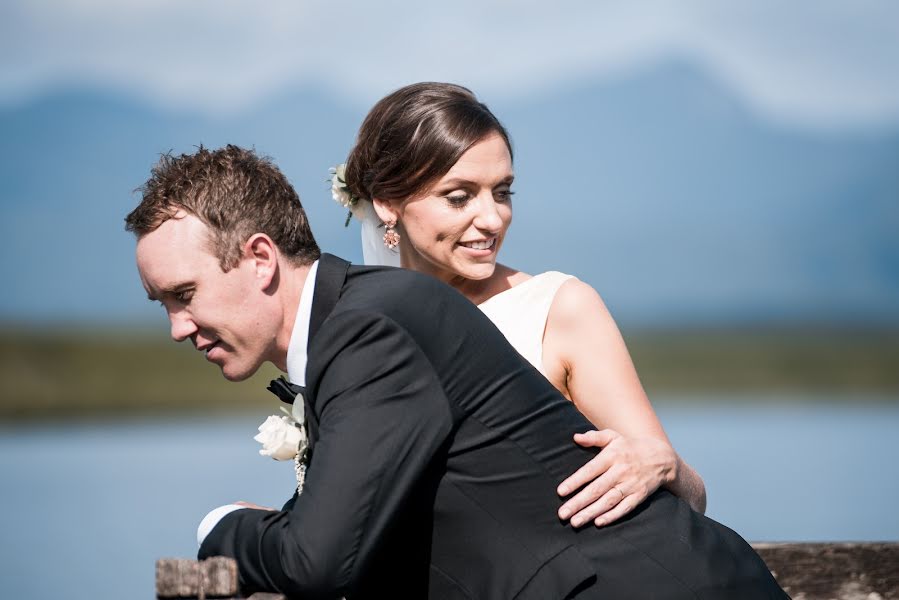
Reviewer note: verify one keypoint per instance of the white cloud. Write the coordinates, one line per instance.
(812, 63)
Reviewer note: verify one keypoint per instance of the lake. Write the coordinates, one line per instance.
(88, 507)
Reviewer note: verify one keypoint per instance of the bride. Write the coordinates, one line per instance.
(431, 178)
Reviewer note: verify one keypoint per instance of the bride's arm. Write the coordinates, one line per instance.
(585, 356)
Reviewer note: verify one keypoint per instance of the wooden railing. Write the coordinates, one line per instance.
(825, 571)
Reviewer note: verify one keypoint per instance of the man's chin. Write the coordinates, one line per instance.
(233, 372)
(231, 375)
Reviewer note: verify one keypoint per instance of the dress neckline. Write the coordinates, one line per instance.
(516, 287)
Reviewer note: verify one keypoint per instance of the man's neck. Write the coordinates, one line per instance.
(290, 287)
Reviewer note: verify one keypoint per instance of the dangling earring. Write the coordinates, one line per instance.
(391, 237)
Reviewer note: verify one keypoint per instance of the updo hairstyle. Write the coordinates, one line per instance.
(414, 136)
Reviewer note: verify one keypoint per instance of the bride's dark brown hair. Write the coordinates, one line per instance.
(414, 136)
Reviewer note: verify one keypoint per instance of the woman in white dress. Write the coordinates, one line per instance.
(430, 177)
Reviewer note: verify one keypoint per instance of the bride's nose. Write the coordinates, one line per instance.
(487, 217)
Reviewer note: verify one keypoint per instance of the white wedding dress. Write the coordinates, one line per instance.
(520, 313)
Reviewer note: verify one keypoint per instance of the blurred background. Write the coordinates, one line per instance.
(725, 174)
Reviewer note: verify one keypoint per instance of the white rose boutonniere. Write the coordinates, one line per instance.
(280, 438)
(284, 438)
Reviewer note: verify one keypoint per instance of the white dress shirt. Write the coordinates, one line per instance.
(296, 373)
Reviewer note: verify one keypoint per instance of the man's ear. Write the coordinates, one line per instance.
(386, 210)
(262, 251)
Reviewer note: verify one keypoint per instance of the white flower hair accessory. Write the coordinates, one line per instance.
(342, 195)
(374, 252)
(284, 438)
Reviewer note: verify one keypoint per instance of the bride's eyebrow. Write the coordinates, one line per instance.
(460, 181)
(454, 182)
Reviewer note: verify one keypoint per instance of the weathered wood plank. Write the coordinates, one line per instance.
(806, 571)
(835, 571)
(184, 578)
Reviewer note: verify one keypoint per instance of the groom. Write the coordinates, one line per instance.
(435, 449)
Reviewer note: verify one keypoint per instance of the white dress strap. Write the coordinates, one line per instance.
(520, 313)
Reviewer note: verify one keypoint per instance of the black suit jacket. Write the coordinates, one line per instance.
(437, 453)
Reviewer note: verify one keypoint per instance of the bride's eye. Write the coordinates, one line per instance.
(503, 195)
(458, 199)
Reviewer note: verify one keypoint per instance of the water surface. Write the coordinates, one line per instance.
(97, 504)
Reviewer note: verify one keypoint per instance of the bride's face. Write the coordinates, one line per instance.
(456, 228)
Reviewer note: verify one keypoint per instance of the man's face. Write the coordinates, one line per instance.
(223, 314)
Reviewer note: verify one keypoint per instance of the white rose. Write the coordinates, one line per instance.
(341, 193)
(339, 190)
(280, 438)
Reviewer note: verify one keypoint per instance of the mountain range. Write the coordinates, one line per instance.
(660, 188)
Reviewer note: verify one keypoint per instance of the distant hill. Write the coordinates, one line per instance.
(675, 201)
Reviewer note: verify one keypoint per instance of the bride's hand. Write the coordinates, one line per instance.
(617, 479)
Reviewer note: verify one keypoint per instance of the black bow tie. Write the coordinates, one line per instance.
(285, 390)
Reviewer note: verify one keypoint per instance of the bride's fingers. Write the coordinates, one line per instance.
(594, 468)
(611, 501)
(597, 439)
(595, 492)
(627, 504)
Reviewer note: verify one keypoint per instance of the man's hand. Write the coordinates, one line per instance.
(251, 505)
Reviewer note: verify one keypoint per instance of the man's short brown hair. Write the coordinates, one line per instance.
(235, 193)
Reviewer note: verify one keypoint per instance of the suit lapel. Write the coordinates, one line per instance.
(328, 282)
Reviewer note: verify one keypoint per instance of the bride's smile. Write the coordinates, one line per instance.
(487, 244)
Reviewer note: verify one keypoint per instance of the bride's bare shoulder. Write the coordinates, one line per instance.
(577, 304)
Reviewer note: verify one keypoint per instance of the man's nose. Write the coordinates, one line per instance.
(182, 326)
(488, 218)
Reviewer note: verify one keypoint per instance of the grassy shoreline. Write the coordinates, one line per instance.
(778, 360)
(74, 373)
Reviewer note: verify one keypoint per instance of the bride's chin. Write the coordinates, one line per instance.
(479, 272)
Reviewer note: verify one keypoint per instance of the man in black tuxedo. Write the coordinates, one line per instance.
(435, 449)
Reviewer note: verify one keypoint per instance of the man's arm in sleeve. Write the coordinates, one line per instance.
(383, 417)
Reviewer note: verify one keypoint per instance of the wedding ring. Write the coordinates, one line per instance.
(616, 488)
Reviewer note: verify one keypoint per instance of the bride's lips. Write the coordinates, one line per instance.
(479, 247)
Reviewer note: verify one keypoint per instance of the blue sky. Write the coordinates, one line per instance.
(813, 63)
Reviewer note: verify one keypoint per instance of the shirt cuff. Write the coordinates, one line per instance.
(212, 519)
